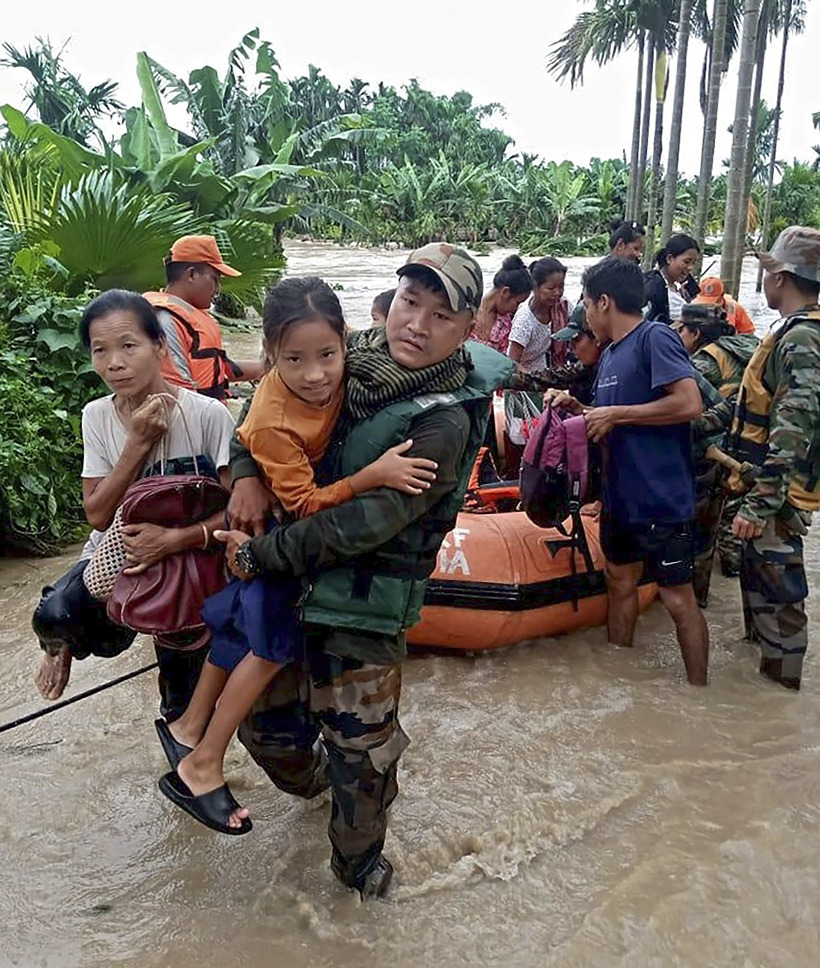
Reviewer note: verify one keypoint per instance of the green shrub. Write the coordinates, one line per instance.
(45, 380)
(40, 464)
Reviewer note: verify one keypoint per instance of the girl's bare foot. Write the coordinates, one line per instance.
(53, 674)
(184, 734)
(201, 778)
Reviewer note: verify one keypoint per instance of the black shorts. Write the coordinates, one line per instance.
(666, 550)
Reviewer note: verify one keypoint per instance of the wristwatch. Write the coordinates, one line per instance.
(245, 560)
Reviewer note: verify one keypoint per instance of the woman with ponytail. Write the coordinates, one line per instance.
(626, 239)
(511, 286)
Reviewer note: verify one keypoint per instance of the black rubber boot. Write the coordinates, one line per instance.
(372, 884)
(729, 569)
(378, 880)
(772, 669)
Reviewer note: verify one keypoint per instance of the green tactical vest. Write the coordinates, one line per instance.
(383, 591)
(732, 355)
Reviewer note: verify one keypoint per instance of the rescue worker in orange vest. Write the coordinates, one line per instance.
(712, 293)
(196, 358)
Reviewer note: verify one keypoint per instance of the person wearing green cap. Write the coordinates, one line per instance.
(720, 355)
(776, 428)
(578, 376)
(365, 563)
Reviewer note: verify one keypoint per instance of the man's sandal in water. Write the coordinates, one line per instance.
(211, 809)
(174, 750)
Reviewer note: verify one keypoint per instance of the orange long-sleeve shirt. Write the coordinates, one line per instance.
(286, 437)
(738, 317)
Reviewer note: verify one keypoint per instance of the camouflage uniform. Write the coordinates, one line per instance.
(578, 380)
(708, 501)
(346, 690)
(774, 588)
(729, 547)
(353, 706)
(772, 577)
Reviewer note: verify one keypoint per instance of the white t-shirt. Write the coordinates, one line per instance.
(209, 424)
(528, 331)
(676, 304)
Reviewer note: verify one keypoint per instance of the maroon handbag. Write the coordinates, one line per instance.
(168, 596)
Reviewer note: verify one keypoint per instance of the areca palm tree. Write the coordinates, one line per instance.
(634, 157)
(730, 257)
(602, 33)
(636, 176)
(793, 22)
(59, 98)
(764, 28)
(707, 157)
(670, 193)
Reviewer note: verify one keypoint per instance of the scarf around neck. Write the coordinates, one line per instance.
(375, 379)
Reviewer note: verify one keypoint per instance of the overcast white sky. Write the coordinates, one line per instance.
(495, 51)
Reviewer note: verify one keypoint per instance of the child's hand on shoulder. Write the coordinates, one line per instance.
(412, 475)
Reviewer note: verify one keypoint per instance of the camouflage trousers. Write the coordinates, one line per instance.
(729, 548)
(774, 589)
(709, 499)
(353, 706)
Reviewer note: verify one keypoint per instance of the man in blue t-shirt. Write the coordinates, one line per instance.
(645, 398)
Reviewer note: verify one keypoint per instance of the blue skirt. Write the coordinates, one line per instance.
(259, 616)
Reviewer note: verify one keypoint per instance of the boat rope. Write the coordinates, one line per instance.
(80, 695)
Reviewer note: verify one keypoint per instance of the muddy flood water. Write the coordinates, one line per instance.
(563, 803)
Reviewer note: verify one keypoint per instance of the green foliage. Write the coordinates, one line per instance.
(261, 156)
(114, 235)
(61, 100)
(40, 464)
(45, 380)
(796, 199)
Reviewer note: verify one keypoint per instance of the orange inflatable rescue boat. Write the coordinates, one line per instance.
(500, 579)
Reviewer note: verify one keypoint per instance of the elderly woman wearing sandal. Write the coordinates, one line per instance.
(144, 423)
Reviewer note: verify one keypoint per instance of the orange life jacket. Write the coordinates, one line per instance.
(738, 317)
(200, 340)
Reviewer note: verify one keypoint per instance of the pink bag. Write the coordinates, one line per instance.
(555, 468)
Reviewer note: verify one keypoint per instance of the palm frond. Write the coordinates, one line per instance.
(111, 234)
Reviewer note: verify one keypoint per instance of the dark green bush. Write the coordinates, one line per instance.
(45, 380)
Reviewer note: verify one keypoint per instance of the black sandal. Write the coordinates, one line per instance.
(174, 750)
(211, 809)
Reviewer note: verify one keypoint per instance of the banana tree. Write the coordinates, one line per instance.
(236, 119)
(567, 193)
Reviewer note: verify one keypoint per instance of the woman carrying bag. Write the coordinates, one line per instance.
(145, 427)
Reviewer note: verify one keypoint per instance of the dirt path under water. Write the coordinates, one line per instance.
(563, 803)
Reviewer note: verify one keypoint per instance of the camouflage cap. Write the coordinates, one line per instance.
(797, 250)
(458, 271)
(576, 326)
(709, 320)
